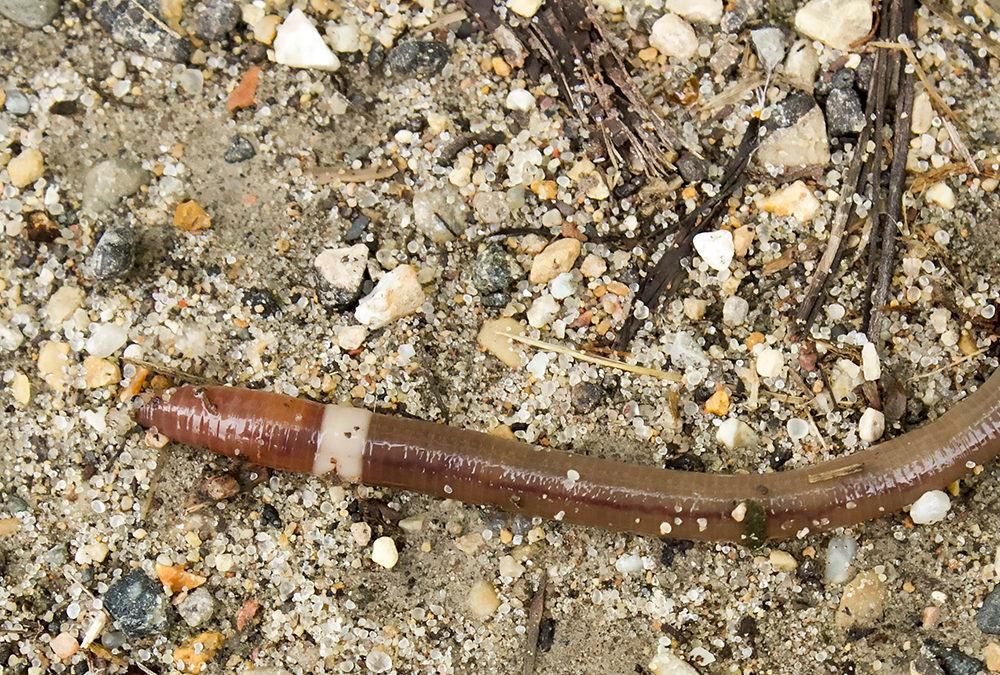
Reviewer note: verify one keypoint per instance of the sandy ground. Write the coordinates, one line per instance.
(81, 472)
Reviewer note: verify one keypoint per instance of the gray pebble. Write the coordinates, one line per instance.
(214, 19)
(422, 58)
(17, 103)
(844, 114)
(769, 43)
(586, 396)
(791, 110)
(988, 616)
(738, 13)
(113, 639)
(111, 181)
(137, 604)
(14, 504)
(493, 269)
(114, 253)
(30, 13)
(495, 300)
(132, 28)
(240, 150)
(197, 608)
(692, 167)
(953, 660)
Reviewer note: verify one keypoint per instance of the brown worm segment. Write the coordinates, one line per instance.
(282, 432)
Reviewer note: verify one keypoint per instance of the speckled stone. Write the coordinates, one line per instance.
(30, 13)
(132, 28)
(137, 604)
(421, 58)
(114, 253)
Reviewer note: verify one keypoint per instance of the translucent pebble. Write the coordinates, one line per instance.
(840, 553)
(797, 428)
(930, 508)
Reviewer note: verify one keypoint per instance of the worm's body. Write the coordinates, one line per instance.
(298, 435)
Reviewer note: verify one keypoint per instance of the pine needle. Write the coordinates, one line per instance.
(670, 376)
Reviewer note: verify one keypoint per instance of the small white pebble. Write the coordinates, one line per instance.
(871, 426)
(520, 100)
(735, 433)
(930, 508)
(715, 248)
(941, 195)
(870, 364)
(362, 533)
(525, 8)
(384, 552)
(770, 362)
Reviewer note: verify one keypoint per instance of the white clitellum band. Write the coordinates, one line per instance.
(342, 437)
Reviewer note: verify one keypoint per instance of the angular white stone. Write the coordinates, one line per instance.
(298, 44)
(803, 144)
(770, 362)
(716, 248)
(542, 311)
(525, 8)
(735, 433)
(801, 66)
(930, 508)
(673, 36)
(520, 100)
(734, 311)
(384, 552)
(795, 200)
(396, 295)
(872, 425)
(698, 11)
(106, 339)
(871, 366)
(942, 195)
(837, 23)
(923, 113)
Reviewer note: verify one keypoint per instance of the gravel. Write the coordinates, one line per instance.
(114, 254)
(137, 605)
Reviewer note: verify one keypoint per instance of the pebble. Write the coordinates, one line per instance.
(361, 533)
(106, 339)
(525, 8)
(735, 311)
(770, 362)
(988, 616)
(782, 560)
(694, 308)
(339, 273)
(214, 19)
(795, 199)
(440, 213)
(377, 661)
(61, 305)
(64, 646)
(862, 602)
(423, 58)
(716, 248)
(16, 103)
(871, 426)
(384, 552)
(840, 552)
(801, 66)
(953, 661)
(735, 433)
(556, 258)
(520, 100)
(697, 11)
(141, 31)
(844, 114)
(991, 654)
(240, 150)
(586, 396)
(593, 266)
(837, 23)
(871, 366)
(99, 372)
(344, 38)
(197, 608)
(483, 600)
(30, 13)
(941, 195)
(509, 567)
(769, 43)
(350, 338)
(493, 270)
(114, 254)
(673, 36)
(10, 337)
(20, 389)
(692, 167)
(190, 216)
(137, 604)
(542, 311)
(923, 112)
(53, 360)
(667, 663)
(26, 168)
(629, 564)
(492, 337)
(802, 144)
(110, 181)
(298, 44)
(563, 286)
(931, 507)
(397, 294)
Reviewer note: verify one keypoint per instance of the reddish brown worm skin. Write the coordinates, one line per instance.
(298, 435)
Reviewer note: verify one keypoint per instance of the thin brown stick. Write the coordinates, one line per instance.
(534, 627)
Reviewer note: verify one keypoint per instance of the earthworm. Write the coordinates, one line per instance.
(355, 445)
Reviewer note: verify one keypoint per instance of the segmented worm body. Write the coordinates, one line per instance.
(358, 446)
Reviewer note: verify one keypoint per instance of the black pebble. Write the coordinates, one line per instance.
(988, 616)
(269, 516)
(137, 604)
(422, 58)
(546, 634)
(114, 253)
(672, 548)
(262, 301)
(685, 462)
(953, 660)
(586, 396)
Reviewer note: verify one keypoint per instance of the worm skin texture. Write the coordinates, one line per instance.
(297, 435)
